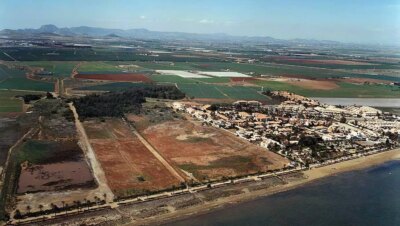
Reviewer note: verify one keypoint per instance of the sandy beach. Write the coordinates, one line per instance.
(310, 175)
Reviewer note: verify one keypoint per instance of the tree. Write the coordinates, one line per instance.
(17, 214)
(66, 208)
(28, 208)
(54, 208)
(41, 207)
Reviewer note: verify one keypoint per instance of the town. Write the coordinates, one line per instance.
(301, 129)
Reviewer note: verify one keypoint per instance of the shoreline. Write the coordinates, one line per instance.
(311, 175)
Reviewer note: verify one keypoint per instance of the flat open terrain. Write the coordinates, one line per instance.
(129, 166)
(208, 153)
(10, 132)
(26, 84)
(131, 77)
(52, 166)
(329, 89)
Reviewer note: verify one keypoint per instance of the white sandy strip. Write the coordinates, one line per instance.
(224, 74)
(183, 74)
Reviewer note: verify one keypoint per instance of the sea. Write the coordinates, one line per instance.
(365, 197)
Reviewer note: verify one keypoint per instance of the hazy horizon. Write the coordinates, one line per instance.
(367, 22)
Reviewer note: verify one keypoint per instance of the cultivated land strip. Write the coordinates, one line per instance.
(155, 153)
(91, 156)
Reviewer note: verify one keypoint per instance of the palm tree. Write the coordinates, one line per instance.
(78, 203)
(54, 208)
(66, 208)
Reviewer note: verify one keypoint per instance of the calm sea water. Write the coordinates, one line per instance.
(366, 197)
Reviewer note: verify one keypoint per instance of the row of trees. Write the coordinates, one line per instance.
(115, 104)
(54, 209)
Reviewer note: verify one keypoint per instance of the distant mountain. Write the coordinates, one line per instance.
(51, 29)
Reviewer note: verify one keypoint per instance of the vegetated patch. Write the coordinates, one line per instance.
(10, 132)
(344, 90)
(314, 84)
(171, 79)
(126, 77)
(228, 74)
(52, 166)
(99, 67)
(114, 87)
(242, 79)
(9, 101)
(209, 153)
(213, 91)
(131, 169)
(50, 68)
(115, 104)
(26, 84)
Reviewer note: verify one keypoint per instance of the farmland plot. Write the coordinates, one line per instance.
(130, 168)
(209, 153)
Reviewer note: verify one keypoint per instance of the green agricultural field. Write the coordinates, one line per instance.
(242, 92)
(221, 92)
(8, 102)
(201, 91)
(166, 65)
(263, 69)
(118, 86)
(99, 67)
(344, 90)
(26, 84)
(59, 68)
(6, 72)
(171, 79)
(213, 80)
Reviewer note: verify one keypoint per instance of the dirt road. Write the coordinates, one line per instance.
(91, 157)
(155, 153)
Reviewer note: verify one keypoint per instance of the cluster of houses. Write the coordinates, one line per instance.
(300, 128)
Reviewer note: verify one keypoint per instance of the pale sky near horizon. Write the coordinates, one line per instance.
(360, 21)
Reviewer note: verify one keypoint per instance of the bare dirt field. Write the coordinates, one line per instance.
(131, 77)
(208, 153)
(314, 84)
(129, 166)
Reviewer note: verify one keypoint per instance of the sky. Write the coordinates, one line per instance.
(357, 21)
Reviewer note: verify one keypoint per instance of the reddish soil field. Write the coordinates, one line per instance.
(208, 153)
(129, 166)
(115, 77)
